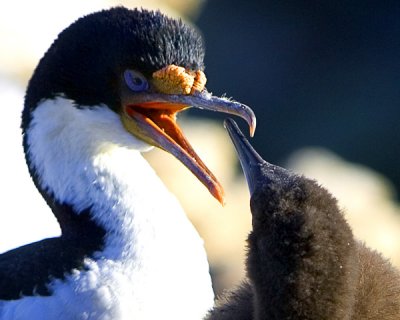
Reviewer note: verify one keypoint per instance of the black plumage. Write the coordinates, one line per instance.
(303, 261)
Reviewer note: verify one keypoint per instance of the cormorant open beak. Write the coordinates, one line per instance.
(151, 116)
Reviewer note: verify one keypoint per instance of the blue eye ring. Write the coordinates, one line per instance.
(135, 80)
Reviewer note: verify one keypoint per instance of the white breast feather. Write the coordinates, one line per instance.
(154, 265)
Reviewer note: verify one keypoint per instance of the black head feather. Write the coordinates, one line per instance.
(85, 62)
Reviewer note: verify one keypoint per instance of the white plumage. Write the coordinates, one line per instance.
(85, 157)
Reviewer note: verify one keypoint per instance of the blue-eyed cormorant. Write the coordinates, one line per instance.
(303, 262)
(109, 88)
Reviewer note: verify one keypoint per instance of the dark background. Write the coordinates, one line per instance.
(316, 73)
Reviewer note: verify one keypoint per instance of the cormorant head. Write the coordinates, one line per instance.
(144, 66)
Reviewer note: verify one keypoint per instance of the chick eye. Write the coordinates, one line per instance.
(135, 81)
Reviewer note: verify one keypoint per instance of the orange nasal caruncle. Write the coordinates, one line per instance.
(173, 79)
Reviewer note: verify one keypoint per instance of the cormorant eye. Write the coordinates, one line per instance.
(135, 80)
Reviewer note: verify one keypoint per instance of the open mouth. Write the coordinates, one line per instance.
(158, 115)
(158, 126)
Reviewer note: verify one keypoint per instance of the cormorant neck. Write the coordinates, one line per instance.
(85, 165)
